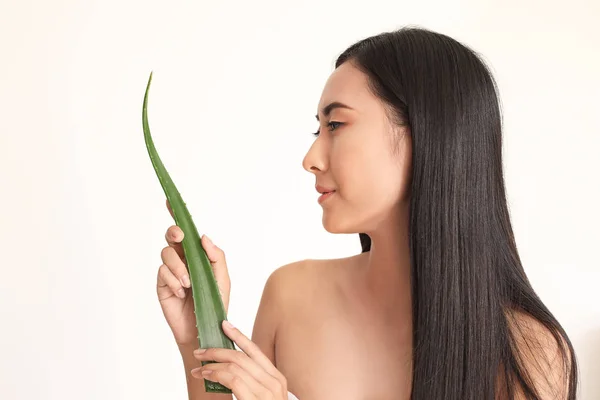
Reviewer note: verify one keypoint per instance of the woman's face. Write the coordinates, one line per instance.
(353, 155)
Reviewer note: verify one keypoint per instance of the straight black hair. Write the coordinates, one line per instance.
(466, 274)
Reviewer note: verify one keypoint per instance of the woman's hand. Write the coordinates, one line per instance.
(248, 373)
(174, 289)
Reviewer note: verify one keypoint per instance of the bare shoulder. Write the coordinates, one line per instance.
(544, 357)
(286, 287)
(304, 277)
(287, 276)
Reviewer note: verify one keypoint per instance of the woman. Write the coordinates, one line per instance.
(437, 305)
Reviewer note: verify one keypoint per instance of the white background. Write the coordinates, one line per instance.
(235, 90)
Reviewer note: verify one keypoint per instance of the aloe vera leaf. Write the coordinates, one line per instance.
(208, 304)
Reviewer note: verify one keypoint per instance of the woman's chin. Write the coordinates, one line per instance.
(333, 225)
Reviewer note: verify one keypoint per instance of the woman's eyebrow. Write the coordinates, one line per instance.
(330, 107)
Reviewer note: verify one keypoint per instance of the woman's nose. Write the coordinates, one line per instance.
(315, 160)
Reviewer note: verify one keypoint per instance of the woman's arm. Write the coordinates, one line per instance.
(196, 390)
(271, 309)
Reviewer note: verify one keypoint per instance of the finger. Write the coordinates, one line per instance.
(250, 348)
(237, 385)
(232, 369)
(168, 284)
(174, 236)
(170, 209)
(222, 355)
(217, 260)
(171, 259)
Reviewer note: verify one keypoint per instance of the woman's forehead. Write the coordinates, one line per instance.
(349, 86)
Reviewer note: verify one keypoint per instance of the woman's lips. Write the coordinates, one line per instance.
(325, 196)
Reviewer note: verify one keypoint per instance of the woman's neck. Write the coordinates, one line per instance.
(384, 271)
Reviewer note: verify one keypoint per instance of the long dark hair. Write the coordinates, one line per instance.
(465, 269)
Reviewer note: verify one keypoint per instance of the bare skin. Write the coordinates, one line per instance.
(334, 341)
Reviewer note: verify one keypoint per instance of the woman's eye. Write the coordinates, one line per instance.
(329, 124)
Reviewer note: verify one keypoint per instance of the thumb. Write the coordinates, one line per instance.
(217, 259)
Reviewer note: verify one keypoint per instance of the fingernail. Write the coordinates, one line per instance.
(199, 351)
(228, 324)
(206, 372)
(185, 281)
(209, 240)
(181, 293)
(195, 371)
